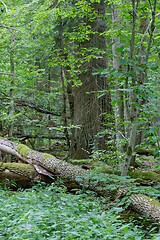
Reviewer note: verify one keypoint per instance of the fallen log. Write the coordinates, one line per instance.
(18, 174)
(144, 151)
(49, 165)
(27, 136)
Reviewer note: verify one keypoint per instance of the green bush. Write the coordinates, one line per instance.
(51, 213)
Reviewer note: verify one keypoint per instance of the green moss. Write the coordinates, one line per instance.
(17, 167)
(129, 151)
(46, 155)
(23, 149)
(144, 151)
(152, 176)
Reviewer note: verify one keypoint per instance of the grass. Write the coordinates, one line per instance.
(51, 213)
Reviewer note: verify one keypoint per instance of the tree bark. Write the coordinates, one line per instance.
(22, 174)
(47, 164)
(119, 108)
(90, 111)
(135, 110)
(11, 110)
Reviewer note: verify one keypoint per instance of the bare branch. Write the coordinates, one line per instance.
(152, 28)
(5, 73)
(148, 28)
(4, 5)
(27, 136)
(33, 106)
(7, 27)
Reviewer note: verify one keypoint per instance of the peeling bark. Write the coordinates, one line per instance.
(49, 165)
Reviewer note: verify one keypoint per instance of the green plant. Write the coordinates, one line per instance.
(50, 213)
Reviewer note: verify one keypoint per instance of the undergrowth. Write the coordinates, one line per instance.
(52, 213)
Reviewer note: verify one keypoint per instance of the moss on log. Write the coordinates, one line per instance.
(144, 151)
(23, 175)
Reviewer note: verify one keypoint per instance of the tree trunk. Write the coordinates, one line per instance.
(136, 104)
(11, 110)
(49, 165)
(24, 175)
(119, 107)
(64, 112)
(90, 111)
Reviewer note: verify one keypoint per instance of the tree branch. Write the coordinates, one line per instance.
(5, 73)
(148, 28)
(7, 27)
(153, 9)
(4, 5)
(31, 105)
(27, 136)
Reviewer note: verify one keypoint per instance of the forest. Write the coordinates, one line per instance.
(79, 119)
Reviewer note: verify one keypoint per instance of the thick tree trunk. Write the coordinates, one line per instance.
(49, 165)
(90, 111)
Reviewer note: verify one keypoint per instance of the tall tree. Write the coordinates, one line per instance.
(138, 74)
(91, 103)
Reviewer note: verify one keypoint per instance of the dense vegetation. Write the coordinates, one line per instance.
(80, 80)
(51, 213)
(87, 72)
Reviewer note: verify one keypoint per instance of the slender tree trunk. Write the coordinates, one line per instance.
(49, 116)
(135, 110)
(133, 113)
(11, 111)
(64, 113)
(119, 107)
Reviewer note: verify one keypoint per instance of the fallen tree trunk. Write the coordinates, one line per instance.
(145, 151)
(27, 136)
(49, 165)
(20, 175)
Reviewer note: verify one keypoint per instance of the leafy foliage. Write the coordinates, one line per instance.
(51, 213)
(50, 35)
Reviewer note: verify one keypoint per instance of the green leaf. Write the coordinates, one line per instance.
(120, 49)
(154, 67)
(123, 61)
(113, 103)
